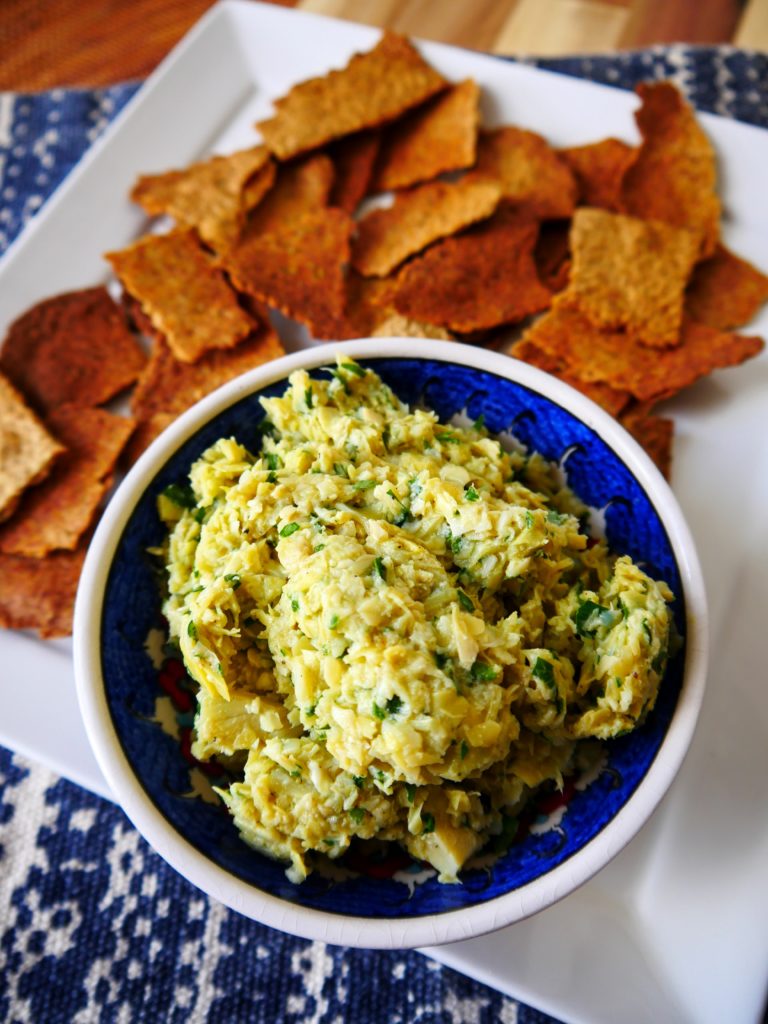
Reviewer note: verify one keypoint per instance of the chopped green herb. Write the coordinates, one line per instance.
(340, 469)
(619, 681)
(342, 380)
(359, 781)
(659, 661)
(272, 460)
(289, 528)
(329, 842)
(234, 579)
(393, 705)
(483, 671)
(543, 670)
(479, 423)
(555, 517)
(624, 610)
(310, 712)
(333, 622)
(266, 428)
(319, 547)
(364, 485)
(427, 823)
(296, 773)
(385, 436)
(353, 368)
(471, 494)
(180, 494)
(410, 792)
(192, 629)
(589, 616)
(463, 749)
(405, 513)
(294, 604)
(647, 631)
(447, 438)
(357, 814)
(196, 590)
(465, 601)
(378, 568)
(379, 712)
(529, 520)
(309, 398)
(271, 477)
(443, 662)
(199, 514)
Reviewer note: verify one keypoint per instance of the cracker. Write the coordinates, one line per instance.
(209, 196)
(616, 359)
(611, 399)
(480, 279)
(529, 172)
(674, 176)
(184, 295)
(74, 347)
(725, 291)
(439, 136)
(56, 513)
(354, 159)
(300, 187)
(168, 386)
(630, 273)
(417, 218)
(39, 593)
(374, 88)
(599, 170)
(552, 254)
(27, 450)
(298, 270)
(654, 433)
(397, 326)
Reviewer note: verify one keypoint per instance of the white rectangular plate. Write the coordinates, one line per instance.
(674, 929)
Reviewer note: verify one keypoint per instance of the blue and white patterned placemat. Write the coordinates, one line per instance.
(93, 925)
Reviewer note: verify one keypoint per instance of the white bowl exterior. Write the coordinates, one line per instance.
(427, 930)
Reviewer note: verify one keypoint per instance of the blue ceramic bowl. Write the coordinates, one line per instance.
(138, 703)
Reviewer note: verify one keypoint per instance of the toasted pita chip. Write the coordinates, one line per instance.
(616, 359)
(39, 593)
(56, 513)
(480, 279)
(653, 433)
(169, 387)
(630, 273)
(725, 291)
(374, 88)
(552, 254)
(258, 186)
(529, 171)
(397, 326)
(303, 186)
(184, 295)
(674, 176)
(599, 170)
(27, 450)
(298, 270)
(74, 347)
(439, 136)
(612, 400)
(416, 219)
(354, 159)
(208, 196)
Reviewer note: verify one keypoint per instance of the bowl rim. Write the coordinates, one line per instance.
(373, 932)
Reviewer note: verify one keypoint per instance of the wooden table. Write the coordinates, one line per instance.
(45, 43)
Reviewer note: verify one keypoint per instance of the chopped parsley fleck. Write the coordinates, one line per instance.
(479, 423)
(589, 616)
(353, 368)
(463, 749)
(342, 380)
(379, 712)
(192, 629)
(333, 621)
(199, 514)
(359, 781)
(294, 604)
(340, 469)
(393, 705)
(272, 460)
(556, 517)
(410, 792)
(364, 485)
(310, 712)
(529, 520)
(378, 568)
(543, 670)
(405, 513)
(427, 823)
(296, 773)
(180, 494)
(309, 398)
(329, 842)
(647, 630)
(271, 477)
(471, 494)
(465, 601)
(484, 672)
(447, 438)
(357, 814)
(234, 579)
(288, 529)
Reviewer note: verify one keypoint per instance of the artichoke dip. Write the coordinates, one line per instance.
(398, 628)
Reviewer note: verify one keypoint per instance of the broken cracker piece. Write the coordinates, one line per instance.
(74, 347)
(27, 450)
(417, 218)
(184, 295)
(477, 280)
(725, 291)
(530, 173)
(397, 326)
(209, 196)
(610, 399)
(439, 136)
(39, 593)
(674, 175)
(630, 273)
(599, 170)
(374, 88)
(613, 357)
(552, 254)
(303, 186)
(653, 433)
(55, 514)
(353, 159)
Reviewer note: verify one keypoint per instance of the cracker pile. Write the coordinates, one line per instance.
(375, 203)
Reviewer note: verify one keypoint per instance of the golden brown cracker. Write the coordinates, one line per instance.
(674, 175)
(27, 450)
(439, 136)
(599, 170)
(209, 195)
(613, 357)
(298, 270)
(397, 326)
(374, 88)
(530, 173)
(611, 399)
(654, 434)
(56, 513)
(354, 159)
(168, 386)
(39, 593)
(725, 291)
(630, 273)
(477, 280)
(552, 254)
(184, 295)
(146, 431)
(417, 218)
(74, 347)
(300, 187)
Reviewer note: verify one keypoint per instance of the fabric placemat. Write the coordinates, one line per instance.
(94, 926)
